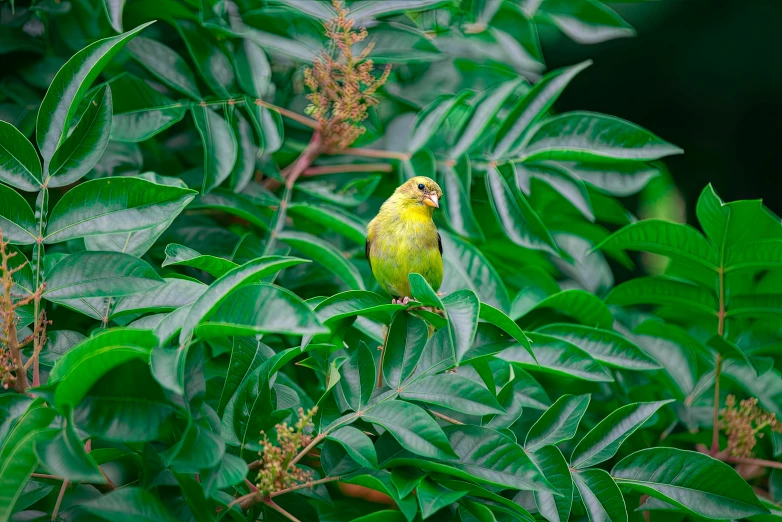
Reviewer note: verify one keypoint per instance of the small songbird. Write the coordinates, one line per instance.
(403, 239)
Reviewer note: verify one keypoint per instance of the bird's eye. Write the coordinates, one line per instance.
(420, 186)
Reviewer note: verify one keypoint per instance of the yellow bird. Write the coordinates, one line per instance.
(403, 239)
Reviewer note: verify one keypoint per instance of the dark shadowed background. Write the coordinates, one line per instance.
(703, 74)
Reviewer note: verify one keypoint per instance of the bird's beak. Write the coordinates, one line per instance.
(432, 200)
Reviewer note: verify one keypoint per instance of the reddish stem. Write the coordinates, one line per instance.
(341, 169)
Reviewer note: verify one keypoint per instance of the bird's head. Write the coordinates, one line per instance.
(421, 190)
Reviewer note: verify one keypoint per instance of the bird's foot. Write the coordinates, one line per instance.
(402, 301)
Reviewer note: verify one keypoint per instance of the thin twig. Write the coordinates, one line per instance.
(445, 417)
(243, 498)
(304, 485)
(59, 499)
(45, 476)
(313, 150)
(282, 511)
(757, 462)
(309, 122)
(715, 430)
(371, 153)
(341, 169)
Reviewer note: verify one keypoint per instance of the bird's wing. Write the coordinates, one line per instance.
(439, 245)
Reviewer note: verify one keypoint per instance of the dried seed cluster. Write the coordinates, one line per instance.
(743, 424)
(277, 472)
(343, 88)
(12, 371)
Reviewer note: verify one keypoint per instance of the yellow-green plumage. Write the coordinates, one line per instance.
(403, 239)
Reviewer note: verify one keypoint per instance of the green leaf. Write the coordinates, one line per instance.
(128, 505)
(462, 308)
(218, 291)
(432, 497)
(251, 408)
(174, 293)
(495, 458)
(358, 377)
(603, 345)
(532, 106)
(675, 350)
(555, 508)
(275, 45)
(586, 21)
(484, 111)
(247, 354)
(519, 221)
(583, 306)
(84, 147)
(179, 255)
(412, 427)
(356, 302)
(113, 10)
(248, 153)
(351, 194)
(429, 120)
(571, 189)
(235, 204)
(19, 163)
(114, 205)
(558, 423)
(17, 220)
(64, 456)
(582, 136)
(728, 349)
(457, 208)
(558, 357)
(496, 317)
(383, 482)
(601, 496)
(403, 348)
(220, 148)
(84, 364)
(17, 459)
(253, 71)
(664, 291)
(259, 308)
(466, 267)
(326, 254)
(267, 124)
(141, 112)
(603, 441)
(230, 472)
(453, 392)
(357, 445)
(681, 242)
(165, 64)
(693, 481)
(616, 179)
(368, 9)
(338, 220)
(66, 91)
(211, 63)
(99, 274)
(317, 10)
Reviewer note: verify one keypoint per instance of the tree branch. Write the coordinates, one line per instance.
(371, 153)
(341, 169)
(281, 511)
(59, 499)
(445, 417)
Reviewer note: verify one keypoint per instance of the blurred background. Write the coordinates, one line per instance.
(703, 74)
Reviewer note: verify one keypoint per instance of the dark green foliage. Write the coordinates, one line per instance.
(203, 297)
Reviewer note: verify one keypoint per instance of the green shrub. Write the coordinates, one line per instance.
(191, 331)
